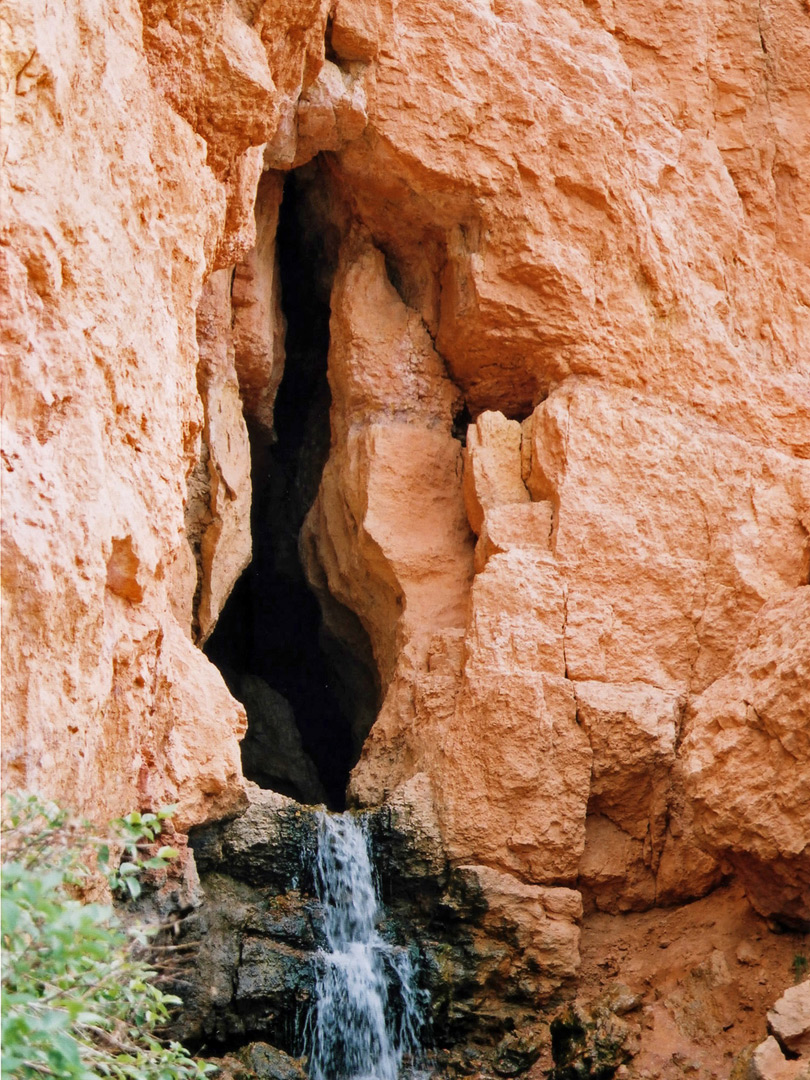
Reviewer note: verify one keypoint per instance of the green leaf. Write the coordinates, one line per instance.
(69, 970)
(168, 853)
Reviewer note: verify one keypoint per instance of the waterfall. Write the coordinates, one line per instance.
(367, 1015)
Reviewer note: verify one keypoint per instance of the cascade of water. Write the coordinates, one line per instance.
(367, 1015)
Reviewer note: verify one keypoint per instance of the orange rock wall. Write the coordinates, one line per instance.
(132, 147)
(588, 223)
(601, 218)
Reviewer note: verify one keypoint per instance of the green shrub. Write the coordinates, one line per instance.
(78, 1003)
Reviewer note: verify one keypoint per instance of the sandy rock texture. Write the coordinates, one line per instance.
(789, 1019)
(132, 146)
(568, 492)
(706, 976)
(745, 755)
(567, 497)
(600, 222)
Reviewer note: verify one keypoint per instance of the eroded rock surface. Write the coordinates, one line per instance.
(745, 754)
(130, 142)
(567, 498)
(487, 947)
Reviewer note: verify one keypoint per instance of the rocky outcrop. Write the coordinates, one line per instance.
(745, 755)
(218, 514)
(784, 1054)
(567, 497)
(789, 1019)
(392, 413)
(132, 147)
(655, 496)
(488, 947)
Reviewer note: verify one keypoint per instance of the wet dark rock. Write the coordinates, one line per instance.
(272, 844)
(269, 970)
(260, 1061)
(461, 1061)
(515, 1054)
(251, 947)
(248, 968)
(288, 918)
(590, 1044)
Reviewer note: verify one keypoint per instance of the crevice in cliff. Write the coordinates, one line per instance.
(302, 690)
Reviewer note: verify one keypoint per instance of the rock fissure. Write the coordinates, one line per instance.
(470, 348)
(305, 691)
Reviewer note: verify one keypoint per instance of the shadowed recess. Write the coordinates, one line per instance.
(301, 689)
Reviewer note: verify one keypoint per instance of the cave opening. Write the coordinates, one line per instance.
(309, 698)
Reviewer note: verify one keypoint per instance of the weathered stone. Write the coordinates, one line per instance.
(668, 544)
(632, 731)
(260, 1061)
(515, 1054)
(130, 148)
(392, 407)
(258, 322)
(268, 1063)
(769, 1063)
(267, 845)
(585, 1043)
(222, 529)
(358, 28)
(789, 1019)
(588, 218)
(746, 739)
(269, 970)
(211, 68)
(492, 474)
(331, 113)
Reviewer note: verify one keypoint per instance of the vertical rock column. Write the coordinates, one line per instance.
(387, 535)
(219, 513)
(514, 766)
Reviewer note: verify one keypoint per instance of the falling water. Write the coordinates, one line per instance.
(367, 1016)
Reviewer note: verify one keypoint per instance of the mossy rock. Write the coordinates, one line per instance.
(588, 1046)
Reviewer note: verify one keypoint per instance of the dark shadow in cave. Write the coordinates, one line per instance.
(293, 678)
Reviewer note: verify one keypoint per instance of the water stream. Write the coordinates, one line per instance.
(368, 1014)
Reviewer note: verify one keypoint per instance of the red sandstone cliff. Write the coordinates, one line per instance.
(590, 222)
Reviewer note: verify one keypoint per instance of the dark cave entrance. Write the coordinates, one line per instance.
(307, 695)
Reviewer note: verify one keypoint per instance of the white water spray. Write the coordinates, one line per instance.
(367, 1016)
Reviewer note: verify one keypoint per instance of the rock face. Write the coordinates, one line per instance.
(789, 1020)
(640, 495)
(489, 948)
(567, 498)
(745, 753)
(785, 1054)
(131, 154)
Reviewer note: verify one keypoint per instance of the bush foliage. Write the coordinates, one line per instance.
(78, 1001)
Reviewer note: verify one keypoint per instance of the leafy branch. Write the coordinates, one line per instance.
(78, 1003)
